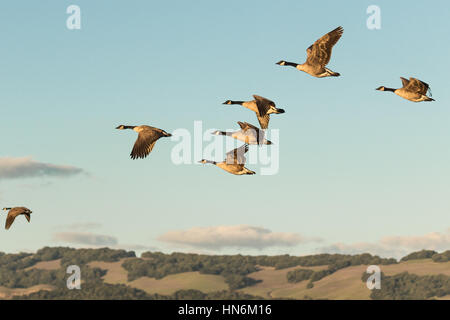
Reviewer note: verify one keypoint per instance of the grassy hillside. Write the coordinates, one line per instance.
(118, 274)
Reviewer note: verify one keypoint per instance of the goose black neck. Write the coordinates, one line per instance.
(291, 64)
(389, 89)
(129, 127)
(237, 102)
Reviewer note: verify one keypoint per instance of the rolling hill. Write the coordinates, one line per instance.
(119, 274)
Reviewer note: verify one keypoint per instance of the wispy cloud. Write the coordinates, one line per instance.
(394, 246)
(80, 235)
(26, 167)
(364, 247)
(82, 226)
(240, 236)
(85, 238)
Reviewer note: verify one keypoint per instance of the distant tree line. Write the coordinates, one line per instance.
(335, 263)
(234, 268)
(14, 275)
(423, 254)
(103, 291)
(428, 254)
(298, 275)
(406, 286)
(441, 257)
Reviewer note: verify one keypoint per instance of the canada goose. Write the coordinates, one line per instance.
(147, 137)
(261, 106)
(14, 212)
(318, 56)
(248, 134)
(412, 90)
(234, 163)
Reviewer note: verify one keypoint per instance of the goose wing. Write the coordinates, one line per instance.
(145, 142)
(415, 85)
(12, 214)
(404, 82)
(264, 121)
(245, 126)
(319, 53)
(263, 106)
(236, 156)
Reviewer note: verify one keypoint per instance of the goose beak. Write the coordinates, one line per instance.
(281, 111)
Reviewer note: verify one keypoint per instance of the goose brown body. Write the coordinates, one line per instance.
(263, 108)
(147, 137)
(248, 134)
(319, 55)
(234, 162)
(413, 90)
(15, 212)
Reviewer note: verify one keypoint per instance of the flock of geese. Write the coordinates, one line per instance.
(318, 56)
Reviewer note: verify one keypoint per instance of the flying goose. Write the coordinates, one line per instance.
(147, 137)
(14, 212)
(234, 163)
(261, 106)
(412, 90)
(318, 56)
(248, 134)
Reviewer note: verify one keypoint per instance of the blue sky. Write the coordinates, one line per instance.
(356, 165)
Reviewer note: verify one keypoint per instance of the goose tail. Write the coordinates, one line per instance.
(331, 73)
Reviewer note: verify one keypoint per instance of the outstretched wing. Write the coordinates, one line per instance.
(264, 121)
(258, 133)
(263, 104)
(236, 156)
(145, 142)
(404, 82)
(12, 214)
(247, 126)
(415, 85)
(319, 53)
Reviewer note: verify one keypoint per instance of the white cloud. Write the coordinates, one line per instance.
(432, 241)
(242, 236)
(394, 246)
(26, 167)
